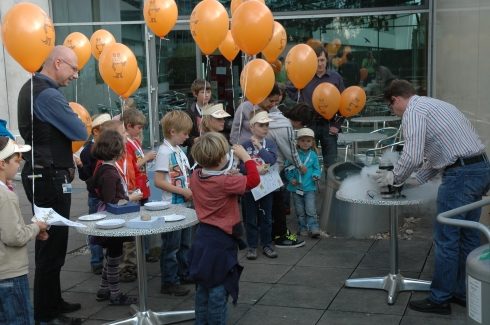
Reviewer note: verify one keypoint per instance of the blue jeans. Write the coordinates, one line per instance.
(328, 142)
(211, 305)
(460, 186)
(15, 301)
(261, 210)
(306, 211)
(96, 253)
(173, 259)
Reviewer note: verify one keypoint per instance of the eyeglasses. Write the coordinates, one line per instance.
(75, 69)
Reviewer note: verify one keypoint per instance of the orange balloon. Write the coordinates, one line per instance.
(209, 25)
(228, 47)
(28, 35)
(118, 67)
(326, 100)
(352, 101)
(99, 40)
(276, 66)
(160, 16)
(337, 43)
(316, 43)
(347, 49)
(257, 80)
(276, 44)
(136, 84)
(85, 117)
(252, 27)
(331, 49)
(301, 65)
(308, 42)
(236, 3)
(364, 73)
(80, 44)
(337, 62)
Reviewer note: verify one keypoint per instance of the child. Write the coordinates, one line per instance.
(213, 256)
(201, 89)
(15, 302)
(134, 121)
(111, 188)
(213, 118)
(171, 176)
(303, 185)
(86, 166)
(259, 213)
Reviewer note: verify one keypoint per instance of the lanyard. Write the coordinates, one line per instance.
(224, 171)
(181, 160)
(123, 181)
(304, 163)
(263, 147)
(137, 146)
(198, 110)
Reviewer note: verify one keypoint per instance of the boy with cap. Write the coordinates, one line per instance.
(264, 152)
(15, 302)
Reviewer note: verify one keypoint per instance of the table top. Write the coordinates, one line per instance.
(190, 220)
(360, 137)
(377, 200)
(374, 119)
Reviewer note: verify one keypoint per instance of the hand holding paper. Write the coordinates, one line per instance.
(51, 217)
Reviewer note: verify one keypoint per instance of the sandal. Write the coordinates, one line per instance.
(122, 300)
(101, 295)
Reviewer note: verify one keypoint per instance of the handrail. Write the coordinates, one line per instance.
(445, 217)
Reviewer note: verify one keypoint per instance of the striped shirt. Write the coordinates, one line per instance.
(437, 131)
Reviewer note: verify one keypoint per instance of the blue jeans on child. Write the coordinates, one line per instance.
(15, 301)
(173, 259)
(211, 305)
(97, 255)
(306, 211)
(460, 186)
(259, 213)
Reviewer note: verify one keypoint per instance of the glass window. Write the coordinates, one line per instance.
(69, 11)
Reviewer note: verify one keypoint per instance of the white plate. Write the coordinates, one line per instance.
(174, 217)
(154, 206)
(110, 223)
(92, 217)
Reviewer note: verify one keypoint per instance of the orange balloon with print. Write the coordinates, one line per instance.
(228, 47)
(352, 101)
(136, 84)
(28, 35)
(236, 3)
(118, 67)
(209, 25)
(86, 119)
(160, 16)
(364, 73)
(331, 48)
(257, 80)
(276, 66)
(301, 65)
(252, 27)
(326, 100)
(277, 43)
(80, 44)
(99, 40)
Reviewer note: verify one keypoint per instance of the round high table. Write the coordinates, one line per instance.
(354, 138)
(375, 120)
(141, 314)
(394, 282)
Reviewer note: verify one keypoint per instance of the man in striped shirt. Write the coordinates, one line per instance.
(439, 132)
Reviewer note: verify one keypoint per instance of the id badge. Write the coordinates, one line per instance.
(66, 188)
(147, 183)
(300, 192)
(290, 168)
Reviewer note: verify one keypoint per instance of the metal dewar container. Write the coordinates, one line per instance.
(478, 287)
(347, 219)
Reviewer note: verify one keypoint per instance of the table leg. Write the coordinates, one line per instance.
(394, 282)
(141, 314)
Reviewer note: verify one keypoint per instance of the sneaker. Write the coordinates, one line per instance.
(427, 306)
(269, 252)
(174, 290)
(97, 269)
(302, 233)
(288, 241)
(252, 254)
(315, 234)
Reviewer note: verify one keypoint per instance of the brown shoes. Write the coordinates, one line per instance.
(174, 290)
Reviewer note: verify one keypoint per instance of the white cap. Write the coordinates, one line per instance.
(261, 117)
(305, 132)
(101, 119)
(12, 148)
(215, 110)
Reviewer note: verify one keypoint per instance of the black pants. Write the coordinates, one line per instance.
(49, 254)
(279, 226)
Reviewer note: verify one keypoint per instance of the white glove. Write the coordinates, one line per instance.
(385, 178)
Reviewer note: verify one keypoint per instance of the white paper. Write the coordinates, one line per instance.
(51, 217)
(268, 183)
(474, 299)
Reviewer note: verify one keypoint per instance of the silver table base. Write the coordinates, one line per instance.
(394, 282)
(142, 315)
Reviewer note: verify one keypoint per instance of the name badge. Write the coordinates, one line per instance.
(300, 192)
(290, 168)
(66, 188)
(147, 183)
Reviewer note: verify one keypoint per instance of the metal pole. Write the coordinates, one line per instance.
(394, 239)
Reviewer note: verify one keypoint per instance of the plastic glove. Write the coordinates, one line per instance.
(385, 178)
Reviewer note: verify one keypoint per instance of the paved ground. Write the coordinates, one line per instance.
(302, 286)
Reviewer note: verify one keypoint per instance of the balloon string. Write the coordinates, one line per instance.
(110, 103)
(76, 91)
(232, 86)
(208, 66)
(299, 94)
(123, 105)
(32, 135)
(159, 55)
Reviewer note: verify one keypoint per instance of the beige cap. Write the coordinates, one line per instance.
(101, 119)
(261, 117)
(215, 110)
(305, 132)
(12, 148)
